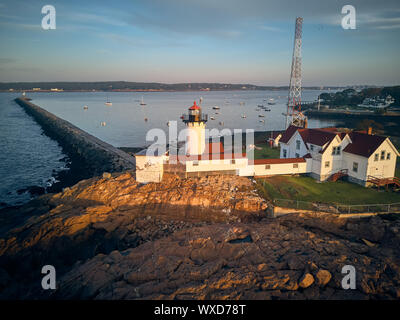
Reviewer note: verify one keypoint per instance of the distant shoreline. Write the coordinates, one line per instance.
(151, 90)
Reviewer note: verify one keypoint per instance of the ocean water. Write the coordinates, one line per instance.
(125, 124)
(29, 158)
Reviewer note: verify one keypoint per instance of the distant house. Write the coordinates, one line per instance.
(273, 141)
(360, 155)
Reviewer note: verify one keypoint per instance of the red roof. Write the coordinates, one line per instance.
(204, 156)
(319, 137)
(363, 144)
(290, 131)
(277, 161)
(194, 106)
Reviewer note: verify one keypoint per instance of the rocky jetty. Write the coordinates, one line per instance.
(93, 154)
(199, 238)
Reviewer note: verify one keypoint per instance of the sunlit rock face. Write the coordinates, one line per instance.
(199, 238)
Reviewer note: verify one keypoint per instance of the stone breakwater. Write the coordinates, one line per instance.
(95, 155)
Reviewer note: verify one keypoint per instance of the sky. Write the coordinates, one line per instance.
(174, 41)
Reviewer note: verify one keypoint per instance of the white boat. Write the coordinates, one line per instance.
(103, 123)
(216, 108)
(261, 120)
(108, 103)
(142, 102)
(212, 118)
(244, 116)
(261, 115)
(85, 107)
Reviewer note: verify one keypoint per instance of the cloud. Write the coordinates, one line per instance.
(272, 29)
(97, 19)
(7, 60)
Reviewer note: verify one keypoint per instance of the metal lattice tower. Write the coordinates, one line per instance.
(294, 116)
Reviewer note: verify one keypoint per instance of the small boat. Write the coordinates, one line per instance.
(244, 116)
(212, 118)
(261, 120)
(168, 123)
(217, 112)
(142, 102)
(221, 123)
(108, 101)
(261, 115)
(216, 108)
(241, 103)
(103, 123)
(260, 106)
(145, 119)
(85, 107)
(267, 109)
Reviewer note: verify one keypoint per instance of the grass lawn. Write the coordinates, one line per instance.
(307, 189)
(266, 152)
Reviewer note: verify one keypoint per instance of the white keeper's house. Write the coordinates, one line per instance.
(361, 156)
(324, 154)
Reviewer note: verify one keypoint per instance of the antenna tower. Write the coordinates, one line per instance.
(294, 116)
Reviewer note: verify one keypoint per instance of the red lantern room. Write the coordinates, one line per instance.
(194, 115)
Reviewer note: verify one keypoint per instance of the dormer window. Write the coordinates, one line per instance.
(297, 144)
(376, 158)
(311, 147)
(336, 150)
(383, 155)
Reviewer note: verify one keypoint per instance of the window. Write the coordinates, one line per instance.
(388, 156)
(195, 163)
(284, 153)
(311, 147)
(383, 155)
(297, 155)
(267, 166)
(355, 166)
(233, 161)
(336, 150)
(295, 165)
(376, 157)
(327, 164)
(297, 144)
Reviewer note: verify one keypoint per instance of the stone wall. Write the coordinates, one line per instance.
(95, 155)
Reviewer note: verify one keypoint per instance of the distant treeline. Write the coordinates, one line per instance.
(352, 97)
(124, 85)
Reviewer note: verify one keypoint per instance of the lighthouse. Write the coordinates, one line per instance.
(195, 123)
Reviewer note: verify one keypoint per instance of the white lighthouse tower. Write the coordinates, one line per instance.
(195, 123)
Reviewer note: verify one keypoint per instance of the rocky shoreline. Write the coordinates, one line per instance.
(110, 237)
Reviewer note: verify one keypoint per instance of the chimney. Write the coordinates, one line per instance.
(370, 130)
